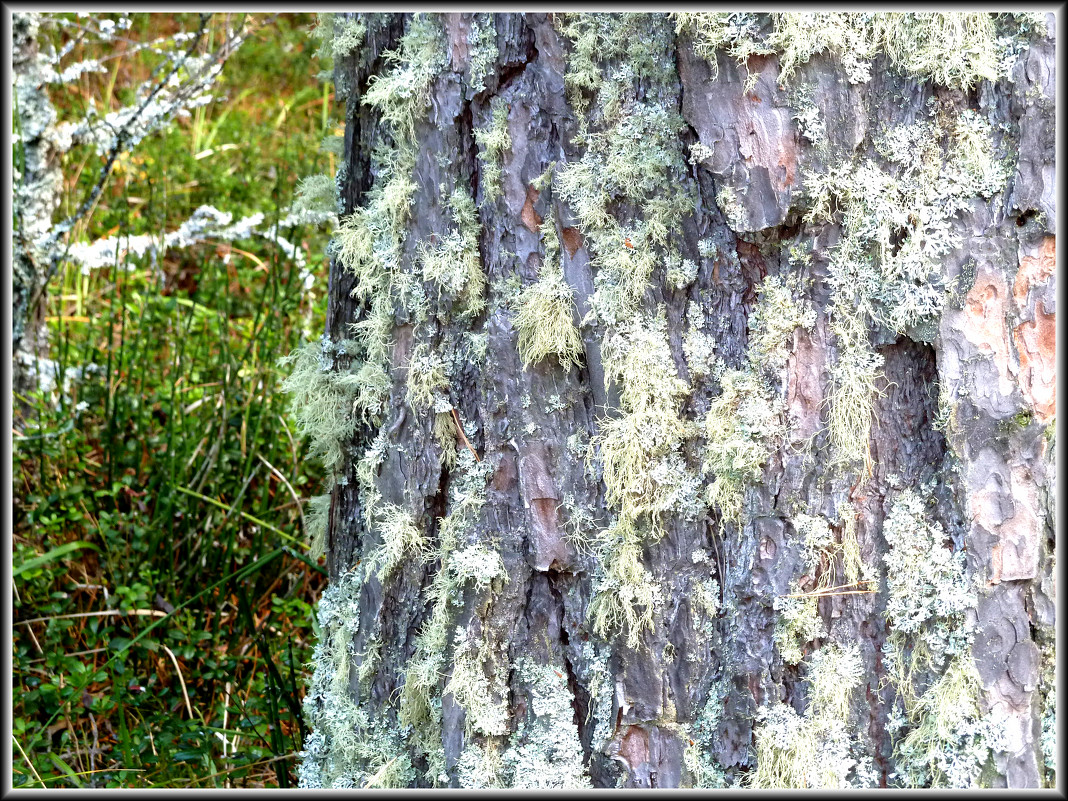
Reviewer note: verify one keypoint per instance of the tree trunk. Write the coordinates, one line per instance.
(689, 392)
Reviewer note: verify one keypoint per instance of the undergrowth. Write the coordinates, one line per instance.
(162, 590)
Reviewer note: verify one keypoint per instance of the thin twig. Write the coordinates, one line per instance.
(300, 508)
(460, 431)
(177, 667)
(36, 775)
(107, 613)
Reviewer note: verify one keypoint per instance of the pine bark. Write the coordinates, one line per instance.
(683, 706)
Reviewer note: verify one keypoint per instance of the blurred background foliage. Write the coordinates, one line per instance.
(162, 592)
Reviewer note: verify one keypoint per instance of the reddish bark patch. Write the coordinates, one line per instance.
(804, 394)
(572, 241)
(531, 219)
(457, 31)
(634, 747)
(1036, 343)
(505, 476)
(984, 311)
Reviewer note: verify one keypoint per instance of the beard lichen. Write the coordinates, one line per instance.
(321, 401)
(816, 749)
(494, 140)
(956, 49)
(942, 738)
(545, 322)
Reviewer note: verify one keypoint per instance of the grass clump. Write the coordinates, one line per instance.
(545, 321)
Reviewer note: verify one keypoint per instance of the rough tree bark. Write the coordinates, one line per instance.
(783, 514)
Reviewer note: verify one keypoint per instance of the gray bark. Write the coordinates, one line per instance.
(963, 408)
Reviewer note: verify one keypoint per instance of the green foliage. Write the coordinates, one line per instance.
(166, 403)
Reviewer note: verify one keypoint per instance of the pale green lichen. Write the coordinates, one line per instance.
(705, 771)
(545, 324)
(404, 91)
(737, 33)
(420, 697)
(743, 426)
(427, 380)
(347, 37)
(626, 596)
(321, 401)
(630, 195)
(952, 739)
(346, 748)
(650, 429)
(484, 699)
(481, 49)
(316, 523)
(545, 752)
(779, 312)
(812, 750)
(453, 261)
(316, 193)
(797, 622)
(942, 738)
(401, 538)
(494, 140)
(956, 49)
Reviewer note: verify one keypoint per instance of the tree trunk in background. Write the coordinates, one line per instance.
(784, 514)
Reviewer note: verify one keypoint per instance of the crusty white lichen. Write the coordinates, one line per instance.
(815, 749)
(942, 737)
(545, 752)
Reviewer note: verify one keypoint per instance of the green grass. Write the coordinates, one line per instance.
(169, 478)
